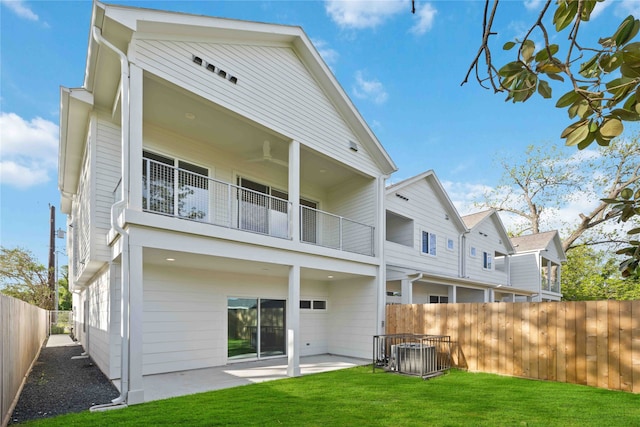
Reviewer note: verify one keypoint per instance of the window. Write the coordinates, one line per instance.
(305, 304)
(472, 251)
(319, 305)
(164, 178)
(438, 299)
(428, 243)
(487, 261)
(450, 244)
(315, 304)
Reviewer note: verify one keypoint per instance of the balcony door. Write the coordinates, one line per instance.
(256, 328)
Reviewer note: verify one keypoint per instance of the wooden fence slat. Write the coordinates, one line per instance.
(570, 350)
(602, 340)
(494, 350)
(626, 354)
(534, 336)
(508, 346)
(552, 330)
(517, 339)
(635, 345)
(474, 341)
(543, 342)
(526, 333)
(561, 338)
(613, 344)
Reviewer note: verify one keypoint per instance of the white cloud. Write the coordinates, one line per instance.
(533, 5)
(628, 7)
(21, 9)
(329, 55)
(359, 14)
(29, 150)
(426, 13)
(371, 90)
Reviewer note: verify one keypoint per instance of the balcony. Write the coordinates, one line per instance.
(191, 195)
(550, 285)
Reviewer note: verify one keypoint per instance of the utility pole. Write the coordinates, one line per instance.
(52, 253)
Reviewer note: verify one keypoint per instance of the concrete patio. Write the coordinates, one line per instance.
(163, 386)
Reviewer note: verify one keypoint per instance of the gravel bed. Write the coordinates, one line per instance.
(58, 385)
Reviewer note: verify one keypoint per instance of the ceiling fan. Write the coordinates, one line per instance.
(267, 157)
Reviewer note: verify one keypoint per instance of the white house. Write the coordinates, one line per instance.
(224, 198)
(433, 255)
(537, 264)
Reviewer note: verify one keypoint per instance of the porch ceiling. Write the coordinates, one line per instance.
(180, 112)
(230, 265)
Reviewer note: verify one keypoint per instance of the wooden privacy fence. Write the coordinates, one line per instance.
(595, 343)
(23, 329)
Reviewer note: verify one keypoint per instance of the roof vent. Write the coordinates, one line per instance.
(197, 60)
(211, 68)
(233, 79)
(405, 198)
(222, 74)
(353, 146)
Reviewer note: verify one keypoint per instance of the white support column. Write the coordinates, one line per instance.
(406, 290)
(293, 322)
(453, 294)
(136, 386)
(135, 137)
(294, 189)
(378, 240)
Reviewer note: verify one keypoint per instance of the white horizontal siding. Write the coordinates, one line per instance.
(428, 213)
(352, 323)
(485, 237)
(525, 272)
(107, 175)
(274, 88)
(314, 327)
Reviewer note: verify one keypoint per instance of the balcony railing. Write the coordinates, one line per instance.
(333, 231)
(552, 286)
(176, 192)
(172, 191)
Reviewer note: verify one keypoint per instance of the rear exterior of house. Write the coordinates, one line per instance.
(433, 255)
(224, 198)
(537, 264)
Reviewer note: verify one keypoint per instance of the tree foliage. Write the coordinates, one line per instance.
(23, 277)
(64, 296)
(590, 274)
(545, 181)
(603, 80)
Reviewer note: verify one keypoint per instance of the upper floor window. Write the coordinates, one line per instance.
(450, 244)
(473, 252)
(428, 243)
(487, 261)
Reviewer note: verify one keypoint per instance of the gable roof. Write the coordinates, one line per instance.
(436, 185)
(475, 219)
(539, 242)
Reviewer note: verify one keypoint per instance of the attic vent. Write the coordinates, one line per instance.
(222, 73)
(353, 146)
(405, 198)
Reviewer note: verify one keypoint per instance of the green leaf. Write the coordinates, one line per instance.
(626, 193)
(508, 45)
(543, 54)
(544, 89)
(565, 13)
(611, 128)
(629, 71)
(511, 68)
(586, 68)
(571, 128)
(553, 76)
(578, 135)
(626, 115)
(527, 49)
(587, 141)
(623, 33)
(634, 231)
(568, 99)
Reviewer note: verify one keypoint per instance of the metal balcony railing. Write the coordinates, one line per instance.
(333, 231)
(172, 191)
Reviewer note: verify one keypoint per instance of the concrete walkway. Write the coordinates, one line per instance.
(60, 341)
(163, 386)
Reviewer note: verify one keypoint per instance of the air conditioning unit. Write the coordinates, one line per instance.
(414, 358)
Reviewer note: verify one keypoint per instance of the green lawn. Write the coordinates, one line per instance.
(358, 397)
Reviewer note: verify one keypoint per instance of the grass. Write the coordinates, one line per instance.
(357, 397)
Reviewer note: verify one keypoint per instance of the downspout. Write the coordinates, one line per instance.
(116, 209)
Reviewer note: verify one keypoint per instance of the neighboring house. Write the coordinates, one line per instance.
(433, 255)
(537, 264)
(224, 198)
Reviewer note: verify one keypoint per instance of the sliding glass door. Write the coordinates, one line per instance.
(256, 327)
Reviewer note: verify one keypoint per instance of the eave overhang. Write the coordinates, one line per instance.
(75, 107)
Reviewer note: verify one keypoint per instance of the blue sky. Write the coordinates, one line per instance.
(402, 71)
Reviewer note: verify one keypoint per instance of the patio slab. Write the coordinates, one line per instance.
(164, 386)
